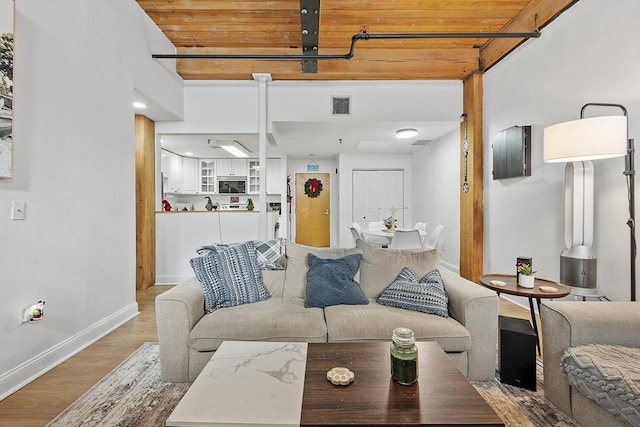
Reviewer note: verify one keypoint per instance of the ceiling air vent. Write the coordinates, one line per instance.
(421, 142)
(341, 105)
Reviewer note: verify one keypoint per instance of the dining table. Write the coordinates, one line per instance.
(388, 234)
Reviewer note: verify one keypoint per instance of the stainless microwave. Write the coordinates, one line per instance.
(232, 184)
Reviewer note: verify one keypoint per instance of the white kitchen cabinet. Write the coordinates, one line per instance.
(273, 185)
(174, 174)
(207, 176)
(164, 162)
(274, 180)
(253, 179)
(189, 175)
(233, 167)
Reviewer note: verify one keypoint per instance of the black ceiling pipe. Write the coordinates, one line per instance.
(351, 53)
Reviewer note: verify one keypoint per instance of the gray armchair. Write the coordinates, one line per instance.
(571, 323)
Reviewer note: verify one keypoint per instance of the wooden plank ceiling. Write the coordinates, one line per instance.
(274, 27)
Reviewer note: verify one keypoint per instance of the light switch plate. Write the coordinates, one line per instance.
(18, 209)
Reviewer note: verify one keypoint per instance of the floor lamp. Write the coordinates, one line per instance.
(597, 138)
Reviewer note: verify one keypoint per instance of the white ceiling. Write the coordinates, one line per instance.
(315, 139)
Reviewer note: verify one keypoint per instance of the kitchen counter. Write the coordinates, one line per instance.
(179, 236)
(220, 211)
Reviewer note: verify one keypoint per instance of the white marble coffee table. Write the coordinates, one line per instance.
(246, 384)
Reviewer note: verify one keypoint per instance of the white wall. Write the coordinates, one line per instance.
(217, 107)
(75, 78)
(591, 53)
(436, 193)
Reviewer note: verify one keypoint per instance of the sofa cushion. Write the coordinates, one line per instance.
(608, 375)
(230, 276)
(426, 295)
(376, 322)
(331, 281)
(379, 267)
(295, 280)
(274, 282)
(276, 319)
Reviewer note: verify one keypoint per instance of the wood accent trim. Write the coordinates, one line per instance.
(547, 10)
(471, 203)
(145, 206)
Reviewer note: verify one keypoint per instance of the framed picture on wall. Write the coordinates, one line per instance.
(6, 88)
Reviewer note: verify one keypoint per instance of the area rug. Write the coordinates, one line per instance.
(133, 394)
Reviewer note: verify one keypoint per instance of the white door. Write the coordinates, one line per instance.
(365, 198)
(391, 195)
(375, 192)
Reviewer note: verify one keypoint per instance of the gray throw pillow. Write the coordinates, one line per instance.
(230, 276)
(331, 282)
(426, 295)
(270, 254)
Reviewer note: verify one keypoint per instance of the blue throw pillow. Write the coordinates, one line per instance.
(426, 295)
(230, 276)
(331, 281)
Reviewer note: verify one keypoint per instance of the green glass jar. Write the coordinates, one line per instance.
(404, 356)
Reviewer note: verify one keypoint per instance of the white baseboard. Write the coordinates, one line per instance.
(21, 375)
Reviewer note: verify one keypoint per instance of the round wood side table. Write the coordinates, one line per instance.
(542, 288)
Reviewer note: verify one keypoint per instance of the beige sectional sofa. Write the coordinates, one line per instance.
(188, 337)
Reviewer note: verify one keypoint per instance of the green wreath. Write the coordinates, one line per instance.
(313, 187)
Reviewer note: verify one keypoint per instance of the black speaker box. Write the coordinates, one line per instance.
(517, 357)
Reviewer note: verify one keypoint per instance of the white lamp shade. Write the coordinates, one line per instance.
(586, 139)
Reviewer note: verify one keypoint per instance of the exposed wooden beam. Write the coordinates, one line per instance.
(544, 11)
(145, 206)
(471, 202)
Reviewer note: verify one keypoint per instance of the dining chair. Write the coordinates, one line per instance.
(434, 237)
(421, 226)
(356, 231)
(406, 239)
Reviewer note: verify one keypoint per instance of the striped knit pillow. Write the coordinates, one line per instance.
(426, 295)
(230, 276)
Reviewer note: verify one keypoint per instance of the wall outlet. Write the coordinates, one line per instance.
(32, 313)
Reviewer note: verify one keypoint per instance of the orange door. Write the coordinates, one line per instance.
(312, 209)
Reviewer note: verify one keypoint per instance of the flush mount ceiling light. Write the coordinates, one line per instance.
(233, 147)
(406, 133)
(139, 105)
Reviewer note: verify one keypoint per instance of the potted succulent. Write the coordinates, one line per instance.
(526, 277)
